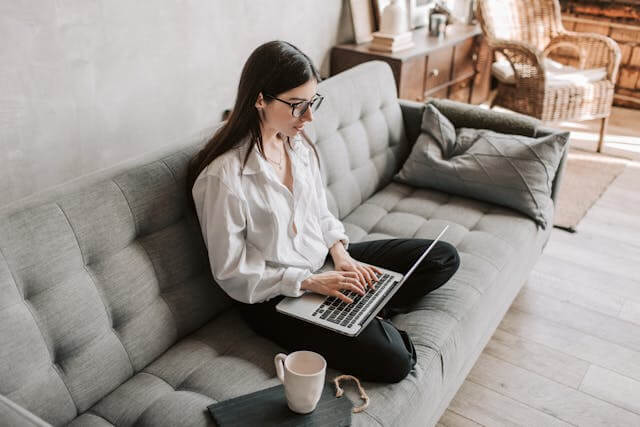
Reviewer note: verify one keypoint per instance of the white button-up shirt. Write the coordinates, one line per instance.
(247, 218)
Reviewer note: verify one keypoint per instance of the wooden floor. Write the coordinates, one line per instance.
(568, 350)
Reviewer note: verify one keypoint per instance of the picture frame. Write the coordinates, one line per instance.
(419, 12)
(378, 8)
(363, 20)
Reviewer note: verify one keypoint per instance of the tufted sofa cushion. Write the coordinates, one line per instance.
(359, 135)
(95, 286)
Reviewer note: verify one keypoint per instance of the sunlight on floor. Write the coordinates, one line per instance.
(574, 125)
(622, 138)
(595, 157)
(609, 138)
(634, 148)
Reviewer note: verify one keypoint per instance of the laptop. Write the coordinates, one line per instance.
(349, 319)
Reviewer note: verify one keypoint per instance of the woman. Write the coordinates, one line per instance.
(262, 208)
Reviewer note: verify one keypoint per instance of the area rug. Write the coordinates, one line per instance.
(586, 176)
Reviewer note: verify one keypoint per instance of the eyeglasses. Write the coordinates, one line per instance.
(299, 108)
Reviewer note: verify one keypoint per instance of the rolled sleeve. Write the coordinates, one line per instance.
(331, 236)
(292, 280)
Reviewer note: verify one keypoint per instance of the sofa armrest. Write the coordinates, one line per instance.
(412, 117)
(12, 414)
(466, 116)
(471, 116)
(555, 186)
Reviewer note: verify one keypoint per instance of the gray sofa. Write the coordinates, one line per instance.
(109, 314)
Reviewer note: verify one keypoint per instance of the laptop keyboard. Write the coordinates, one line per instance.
(336, 311)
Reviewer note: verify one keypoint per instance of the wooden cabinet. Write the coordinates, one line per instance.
(455, 67)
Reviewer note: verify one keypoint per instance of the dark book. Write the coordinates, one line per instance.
(268, 407)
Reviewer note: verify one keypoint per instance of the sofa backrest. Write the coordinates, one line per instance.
(98, 281)
(359, 134)
(96, 284)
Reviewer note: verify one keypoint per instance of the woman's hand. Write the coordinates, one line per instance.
(332, 282)
(366, 274)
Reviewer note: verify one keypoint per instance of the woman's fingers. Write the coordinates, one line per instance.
(369, 276)
(349, 273)
(341, 296)
(361, 277)
(355, 273)
(376, 274)
(353, 278)
(376, 270)
(353, 288)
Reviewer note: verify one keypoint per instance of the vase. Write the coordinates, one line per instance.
(394, 18)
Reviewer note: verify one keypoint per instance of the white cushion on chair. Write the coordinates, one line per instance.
(557, 74)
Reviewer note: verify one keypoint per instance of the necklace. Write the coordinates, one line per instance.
(278, 164)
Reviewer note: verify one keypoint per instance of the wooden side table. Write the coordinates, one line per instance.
(457, 66)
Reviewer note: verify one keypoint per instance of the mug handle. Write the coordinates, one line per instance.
(279, 361)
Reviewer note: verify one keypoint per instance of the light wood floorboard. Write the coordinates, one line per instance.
(547, 396)
(538, 358)
(612, 387)
(566, 340)
(590, 322)
(491, 408)
(588, 276)
(451, 419)
(568, 350)
(631, 312)
(576, 293)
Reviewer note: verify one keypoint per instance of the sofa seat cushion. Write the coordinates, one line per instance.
(483, 229)
(219, 361)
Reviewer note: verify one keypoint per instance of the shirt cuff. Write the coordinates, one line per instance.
(332, 236)
(292, 280)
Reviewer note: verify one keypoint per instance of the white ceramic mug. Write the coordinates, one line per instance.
(302, 373)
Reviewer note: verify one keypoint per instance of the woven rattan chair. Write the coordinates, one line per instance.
(525, 32)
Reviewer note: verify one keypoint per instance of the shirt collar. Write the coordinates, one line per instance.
(256, 164)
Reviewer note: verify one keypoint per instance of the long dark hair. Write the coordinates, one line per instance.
(273, 68)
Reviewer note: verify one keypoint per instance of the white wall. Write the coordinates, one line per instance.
(86, 84)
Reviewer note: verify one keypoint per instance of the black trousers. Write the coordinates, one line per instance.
(381, 352)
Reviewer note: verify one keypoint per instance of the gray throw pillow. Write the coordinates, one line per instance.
(510, 170)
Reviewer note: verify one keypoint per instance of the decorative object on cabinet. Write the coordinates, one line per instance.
(437, 24)
(463, 10)
(419, 13)
(394, 20)
(394, 31)
(378, 8)
(391, 43)
(441, 6)
(363, 20)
